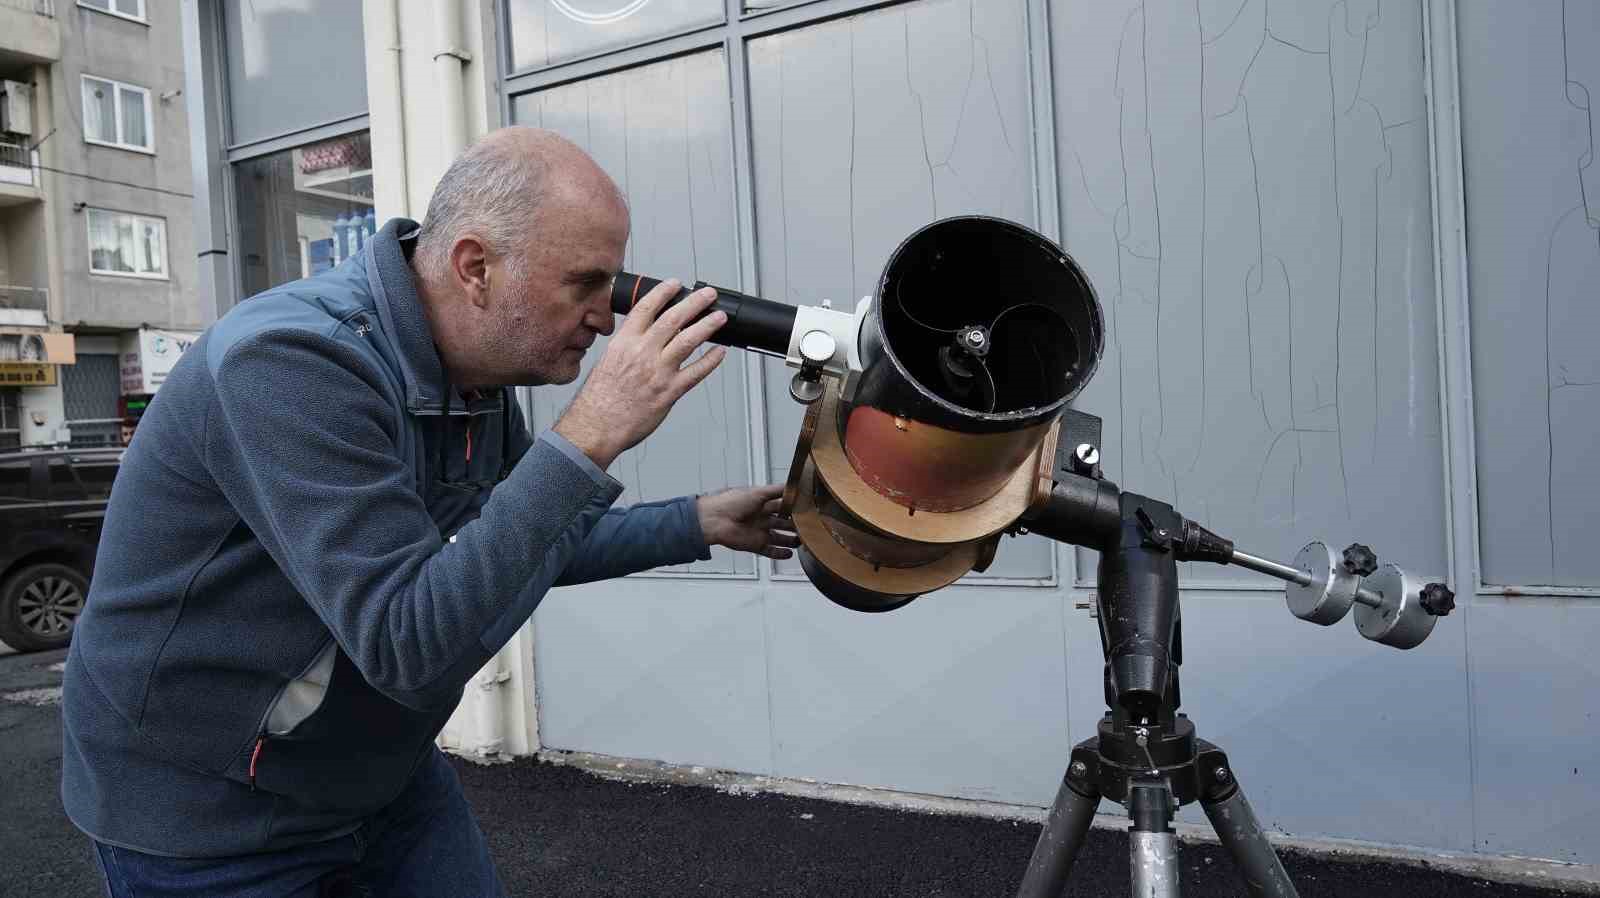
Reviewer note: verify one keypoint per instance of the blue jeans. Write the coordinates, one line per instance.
(424, 845)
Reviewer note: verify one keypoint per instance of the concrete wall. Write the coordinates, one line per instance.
(151, 56)
(409, 148)
(50, 404)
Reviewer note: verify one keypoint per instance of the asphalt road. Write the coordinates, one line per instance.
(557, 831)
(41, 852)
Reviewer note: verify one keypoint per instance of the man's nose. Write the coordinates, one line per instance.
(601, 318)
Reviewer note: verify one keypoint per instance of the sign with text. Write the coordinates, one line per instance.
(148, 356)
(27, 374)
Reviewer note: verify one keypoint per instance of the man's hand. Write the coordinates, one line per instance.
(642, 374)
(746, 519)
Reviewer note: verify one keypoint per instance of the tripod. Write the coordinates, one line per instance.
(1145, 755)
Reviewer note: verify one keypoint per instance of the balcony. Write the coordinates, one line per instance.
(18, 178)
(20, 300)
(29, 32)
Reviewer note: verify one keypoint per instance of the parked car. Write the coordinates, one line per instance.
(52, 506)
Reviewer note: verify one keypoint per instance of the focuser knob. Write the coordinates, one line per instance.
(1438, 600)
(1360, 560)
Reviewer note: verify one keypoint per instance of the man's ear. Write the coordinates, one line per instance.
(469, 265)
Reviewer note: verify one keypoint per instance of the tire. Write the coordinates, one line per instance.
(39, 605)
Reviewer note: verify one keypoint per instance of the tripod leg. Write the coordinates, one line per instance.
(1152, 845)
(1241, 834)
(1058, 844)
(1154, 861)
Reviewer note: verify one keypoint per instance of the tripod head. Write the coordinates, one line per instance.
(1140, 540)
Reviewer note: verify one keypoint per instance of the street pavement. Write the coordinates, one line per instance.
(558, 831)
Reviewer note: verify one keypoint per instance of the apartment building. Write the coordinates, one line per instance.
(97, 284)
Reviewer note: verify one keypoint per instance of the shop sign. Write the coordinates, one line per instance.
(148, 356)
(34, 346)
(27, 374)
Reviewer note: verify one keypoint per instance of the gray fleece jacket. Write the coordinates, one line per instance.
(312, 545)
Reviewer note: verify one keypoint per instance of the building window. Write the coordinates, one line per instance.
(270, 88)
(10, 430)
(303, 210)
(124, 9)
(117, 114)
(127, 245)
(544, 32)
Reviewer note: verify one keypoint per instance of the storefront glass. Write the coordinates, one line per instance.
(544, 32)
(272, 90)
(303, 210)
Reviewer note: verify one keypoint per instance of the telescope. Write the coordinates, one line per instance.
(937, 421)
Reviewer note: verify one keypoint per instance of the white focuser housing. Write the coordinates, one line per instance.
(829, 340)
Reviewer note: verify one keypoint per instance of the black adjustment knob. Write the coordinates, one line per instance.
(1438, 600)
(1155, 536)
(1360, 560)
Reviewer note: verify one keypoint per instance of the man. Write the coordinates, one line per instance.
(332, 516)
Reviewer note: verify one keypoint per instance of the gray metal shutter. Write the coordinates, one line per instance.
(90, 390)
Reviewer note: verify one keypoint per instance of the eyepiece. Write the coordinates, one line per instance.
(753, 322)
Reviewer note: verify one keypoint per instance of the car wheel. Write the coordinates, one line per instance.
(39, 606)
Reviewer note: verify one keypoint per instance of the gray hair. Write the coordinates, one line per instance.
(489, 190)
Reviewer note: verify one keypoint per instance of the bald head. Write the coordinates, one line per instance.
(516, 257)
(500, 188)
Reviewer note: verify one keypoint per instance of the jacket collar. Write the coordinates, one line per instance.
(394, 290)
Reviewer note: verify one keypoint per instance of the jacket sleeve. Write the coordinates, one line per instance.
(302, 440)
(625, 540)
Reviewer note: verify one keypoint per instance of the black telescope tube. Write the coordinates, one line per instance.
(753, 322)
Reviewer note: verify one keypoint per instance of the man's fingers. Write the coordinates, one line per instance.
(644, 312)
(777, 553)
(699, 370)
(678, 317)
(692, 337)
(779, 538)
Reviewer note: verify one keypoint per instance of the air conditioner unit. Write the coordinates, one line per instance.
(16, 107)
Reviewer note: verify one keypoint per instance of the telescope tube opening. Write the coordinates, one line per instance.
(981, 332)
(980, 324)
